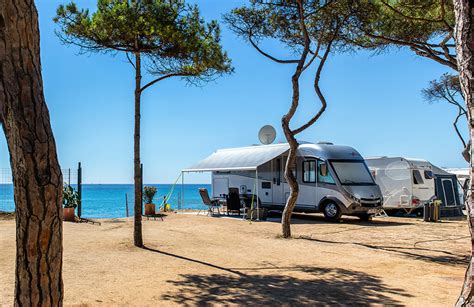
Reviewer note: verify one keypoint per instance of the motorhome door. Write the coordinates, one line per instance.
(277, 181)
(286, 186)
(265, 176)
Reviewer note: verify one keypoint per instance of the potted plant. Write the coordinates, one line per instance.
(70, 201)
(148, 194)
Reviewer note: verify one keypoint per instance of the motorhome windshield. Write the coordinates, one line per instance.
(352, 172)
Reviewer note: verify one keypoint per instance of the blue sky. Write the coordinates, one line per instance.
(374, 105)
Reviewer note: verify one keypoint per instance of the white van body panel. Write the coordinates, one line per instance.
(395, 177)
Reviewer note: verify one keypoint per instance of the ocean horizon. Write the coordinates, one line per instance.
(108, 200)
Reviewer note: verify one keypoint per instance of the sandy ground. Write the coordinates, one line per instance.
(197, 260)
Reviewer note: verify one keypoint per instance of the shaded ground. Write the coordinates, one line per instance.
(201, 260)
(315, 285)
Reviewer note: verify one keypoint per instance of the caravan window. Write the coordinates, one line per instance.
(417, 177)
(429, 175)
(309, 171)
(324, 179)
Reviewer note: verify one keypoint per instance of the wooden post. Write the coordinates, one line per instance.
(126, 205)
(79, 189)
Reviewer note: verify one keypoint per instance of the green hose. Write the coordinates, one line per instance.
(168, 196)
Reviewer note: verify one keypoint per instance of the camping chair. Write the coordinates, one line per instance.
(233, 201)
(210, 203)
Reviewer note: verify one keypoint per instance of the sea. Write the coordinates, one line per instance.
(109, 200)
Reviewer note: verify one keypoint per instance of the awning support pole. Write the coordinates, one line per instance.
(256, 182)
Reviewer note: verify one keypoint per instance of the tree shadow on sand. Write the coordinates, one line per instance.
(318, 286)
(277, 286)
(419, 253)
(299, 218)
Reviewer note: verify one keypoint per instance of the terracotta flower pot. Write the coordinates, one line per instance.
(149, 209)
(68, 214)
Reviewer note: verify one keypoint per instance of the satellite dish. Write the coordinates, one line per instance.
(267, 135)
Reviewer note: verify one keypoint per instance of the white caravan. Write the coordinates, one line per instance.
(332, 179)
(405, 183)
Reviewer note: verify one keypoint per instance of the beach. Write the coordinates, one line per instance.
(194, 260)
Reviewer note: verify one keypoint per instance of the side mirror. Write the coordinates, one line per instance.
(323, 169)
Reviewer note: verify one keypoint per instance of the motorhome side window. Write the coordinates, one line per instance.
(417, 179)
(309, 171)
(323, 173)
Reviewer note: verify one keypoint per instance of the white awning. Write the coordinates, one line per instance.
(239, 159)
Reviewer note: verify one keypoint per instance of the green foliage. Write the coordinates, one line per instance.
(426, 27)
(148, 194)
(406, 20)
(171, 35)
(279, 20)
(70, 197)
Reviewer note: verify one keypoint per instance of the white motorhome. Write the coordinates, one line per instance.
(332, 179)
(405, 183)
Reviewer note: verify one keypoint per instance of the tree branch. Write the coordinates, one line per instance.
(455, 124)
(422, 49)
(317, 88)
(299, 69)
(163, 78)
(316, 52)
(445, 48)
(130, 60)
(268, 55)
(453, 100)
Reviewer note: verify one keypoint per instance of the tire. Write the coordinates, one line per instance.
(419, 212)
(332, 212)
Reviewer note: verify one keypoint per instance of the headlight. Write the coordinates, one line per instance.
(355, 197)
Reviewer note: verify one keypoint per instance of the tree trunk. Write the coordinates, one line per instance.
(137, 231)
(36, 172)
(464, 36)
(290, 179)
(290, 134)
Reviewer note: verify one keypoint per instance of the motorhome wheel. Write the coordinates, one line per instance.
(332, 212)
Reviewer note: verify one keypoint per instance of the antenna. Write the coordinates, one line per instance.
(267, 134)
